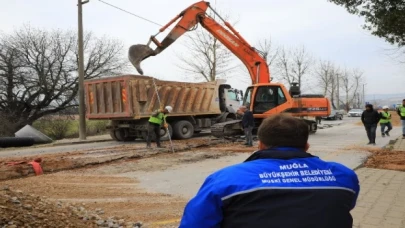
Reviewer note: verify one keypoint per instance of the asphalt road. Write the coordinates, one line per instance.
(55, 149)
(345, 143)
(321, 139)
(40, 150)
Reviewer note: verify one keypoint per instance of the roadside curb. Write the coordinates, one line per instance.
(80, 142)
(399, 144)
(46, 145)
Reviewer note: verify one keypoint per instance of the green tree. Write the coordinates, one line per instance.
(384, 18)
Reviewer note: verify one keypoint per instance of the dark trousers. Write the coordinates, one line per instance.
(153, 128)
(388, 125)
(371, 132)
(248, 135)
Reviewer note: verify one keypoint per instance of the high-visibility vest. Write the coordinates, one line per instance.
(386, 115)
(158, 119)
(402, 110)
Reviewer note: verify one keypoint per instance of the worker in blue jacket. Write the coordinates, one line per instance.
(281, 185)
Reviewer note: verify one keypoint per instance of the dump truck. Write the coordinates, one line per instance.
(129, 100)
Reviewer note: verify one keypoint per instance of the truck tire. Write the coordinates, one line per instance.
(183, 129)
(112, 134)
(164, 136)
(121, 135)
(16, 142)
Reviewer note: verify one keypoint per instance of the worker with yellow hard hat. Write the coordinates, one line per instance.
(156, 120)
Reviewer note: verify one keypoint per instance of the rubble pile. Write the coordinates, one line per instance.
(21, 210)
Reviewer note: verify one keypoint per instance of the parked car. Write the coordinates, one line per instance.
(334, 115)
(355, 113)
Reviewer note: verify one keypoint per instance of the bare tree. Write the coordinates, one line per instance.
(207, 58)
(270, 53)
(294, 64)
(333, 88)
(210, 59)
(324, 75)
(330, 79)
(350, 84)
(38, 72)
(328, 76)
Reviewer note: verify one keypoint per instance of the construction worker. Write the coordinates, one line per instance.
(370, 119)
(401, 113)
(385, 121)
(248, 123)
(156, 120)
(280, 185)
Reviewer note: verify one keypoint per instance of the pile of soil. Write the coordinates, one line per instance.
(19, 210)
(22, 210)
(386, 159)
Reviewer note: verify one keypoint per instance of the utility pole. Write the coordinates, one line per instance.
(82, 111)
(358, 101)
(364, 96)
(338, 98)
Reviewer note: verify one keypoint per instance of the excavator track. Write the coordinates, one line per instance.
(232, 128)
(226, 129)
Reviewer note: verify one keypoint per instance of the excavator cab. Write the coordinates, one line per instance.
(264, 98)
(295, 89)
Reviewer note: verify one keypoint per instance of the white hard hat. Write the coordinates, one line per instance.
(385, 107)
(169, 108)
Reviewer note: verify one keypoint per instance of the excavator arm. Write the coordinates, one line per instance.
(229, 37)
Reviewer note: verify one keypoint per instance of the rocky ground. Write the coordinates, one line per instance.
(18, 209)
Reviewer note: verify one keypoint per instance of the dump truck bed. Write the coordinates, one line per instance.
(134, 97)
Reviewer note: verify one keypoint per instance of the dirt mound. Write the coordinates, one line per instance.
(21, 210)
(102, 197)
(386, 159)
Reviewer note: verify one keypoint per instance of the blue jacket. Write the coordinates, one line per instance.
(282, 187)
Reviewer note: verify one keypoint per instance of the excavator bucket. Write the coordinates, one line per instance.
(139, 52)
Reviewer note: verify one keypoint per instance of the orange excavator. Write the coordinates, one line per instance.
(263, 97)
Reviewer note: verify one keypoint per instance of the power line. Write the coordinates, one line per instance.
(145, 19)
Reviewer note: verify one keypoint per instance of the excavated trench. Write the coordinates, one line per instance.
(96, 179)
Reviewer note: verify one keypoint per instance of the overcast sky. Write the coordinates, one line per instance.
(326, 30)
